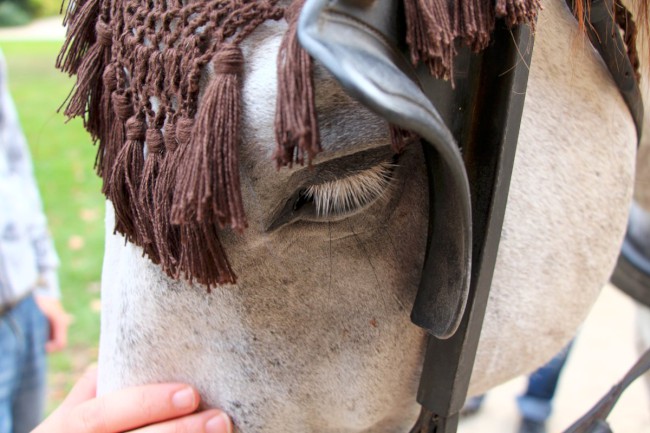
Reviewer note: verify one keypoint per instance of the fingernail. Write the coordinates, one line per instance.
(218, 424)
(184, 399)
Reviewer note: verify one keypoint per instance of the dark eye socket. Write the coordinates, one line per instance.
(303, 200)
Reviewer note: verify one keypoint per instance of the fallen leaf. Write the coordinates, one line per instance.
(96, 305)
(76, 242)
(89, 215)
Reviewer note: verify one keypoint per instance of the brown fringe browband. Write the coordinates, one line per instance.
(168, 149)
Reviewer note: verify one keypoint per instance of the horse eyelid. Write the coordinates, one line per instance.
(347, 195)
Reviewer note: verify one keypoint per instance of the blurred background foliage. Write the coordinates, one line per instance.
(19, 12)
(63, 157)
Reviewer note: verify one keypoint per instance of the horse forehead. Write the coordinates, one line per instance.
(345, 126)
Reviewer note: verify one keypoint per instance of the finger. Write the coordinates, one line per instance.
(212, 421)
(84, 390)
(59, 335)
(51, 346)
(131, 408)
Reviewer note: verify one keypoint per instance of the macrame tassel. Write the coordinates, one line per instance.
(183, 132)
(166, 235)
(474, 22)
(177, 142)
(146, 199)
(120, 107)
(209, 189)
(191, 249)
(519, 11)
(296, 124)
(80, 19)
(202, 256)
(125, 181)
(96, 119)
(155, 145)
(108, 146)
(85, 100)
(429, 35)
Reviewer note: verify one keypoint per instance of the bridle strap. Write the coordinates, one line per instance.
(594, 420)
(448, 363)
(632, 274)
(488, 137)
(604, 35)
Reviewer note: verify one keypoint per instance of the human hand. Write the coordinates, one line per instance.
(161, 408)
(59, 320)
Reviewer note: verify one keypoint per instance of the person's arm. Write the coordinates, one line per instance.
(159, 408)
(47, 291)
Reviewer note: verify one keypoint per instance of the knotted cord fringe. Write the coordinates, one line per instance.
(433, 26)
(80, 18)
(125, 182)
(296, 124)
(209, 190)
(141, 68)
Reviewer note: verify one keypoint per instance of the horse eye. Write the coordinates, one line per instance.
(342, 197)
(303, 200)
(336, 199)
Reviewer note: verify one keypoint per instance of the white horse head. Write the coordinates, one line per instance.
(315, 335)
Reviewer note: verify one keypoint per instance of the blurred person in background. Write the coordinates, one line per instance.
(536, 404)
(32, 319)
(33, 322)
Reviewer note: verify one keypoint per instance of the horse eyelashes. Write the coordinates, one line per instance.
(344, 194)
(342, 197)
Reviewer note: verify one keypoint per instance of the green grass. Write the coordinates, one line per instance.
(63, 158)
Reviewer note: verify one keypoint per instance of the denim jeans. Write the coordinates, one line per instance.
(536, 403)
(23, 334)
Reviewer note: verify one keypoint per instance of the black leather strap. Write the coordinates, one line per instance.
(496, 83)
(606, 38)
(632, 272)
(594, 420)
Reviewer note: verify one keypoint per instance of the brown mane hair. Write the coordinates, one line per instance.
(629, 22)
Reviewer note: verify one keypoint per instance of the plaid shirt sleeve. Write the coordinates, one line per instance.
(29, 213)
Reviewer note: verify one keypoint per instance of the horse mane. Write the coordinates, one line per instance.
(174, 201)
(642, 17)
(634, 25)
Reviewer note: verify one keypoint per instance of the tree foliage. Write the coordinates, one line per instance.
(19, 12)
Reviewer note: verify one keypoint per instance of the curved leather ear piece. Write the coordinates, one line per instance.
(355, 40)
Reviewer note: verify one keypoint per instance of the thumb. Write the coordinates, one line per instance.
(84, 390)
